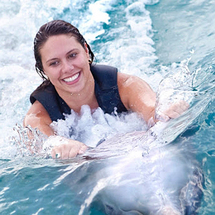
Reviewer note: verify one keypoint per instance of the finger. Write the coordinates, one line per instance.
(76, 147)
(82, 149)
(162, 117)
(73, 152)
(185, 105)
(66, 148)
(173, 114)
(182, 106)
(64, 151)
(177, 109)
(53, 153)
(56, 153)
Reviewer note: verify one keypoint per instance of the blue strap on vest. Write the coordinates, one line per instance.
(106, 91)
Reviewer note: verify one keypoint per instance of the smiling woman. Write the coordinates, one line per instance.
(59, 60)
(66, 64)
(71, 80)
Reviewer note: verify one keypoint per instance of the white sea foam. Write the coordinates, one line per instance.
(18, 78)
(130, 48)
(122, 37)
(92, 128)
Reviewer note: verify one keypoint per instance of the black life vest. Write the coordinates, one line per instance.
(106, 91)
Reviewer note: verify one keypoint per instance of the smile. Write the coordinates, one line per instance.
(73, 78)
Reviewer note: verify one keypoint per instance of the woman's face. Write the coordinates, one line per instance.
(66, 63)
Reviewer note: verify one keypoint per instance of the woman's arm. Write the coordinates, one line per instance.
(38, 117)
(138, 96)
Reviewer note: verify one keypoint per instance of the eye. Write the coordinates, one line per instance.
(54, 63)
(73, 55)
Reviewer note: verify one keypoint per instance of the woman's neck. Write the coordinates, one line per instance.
(85, 97)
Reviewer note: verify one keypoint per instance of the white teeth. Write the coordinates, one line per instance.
(71, 78)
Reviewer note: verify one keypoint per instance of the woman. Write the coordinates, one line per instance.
(64, 61)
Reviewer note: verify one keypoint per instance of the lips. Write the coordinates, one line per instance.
(72, 78)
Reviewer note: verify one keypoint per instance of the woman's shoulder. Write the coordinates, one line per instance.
(125, 80)
(105, 76)
(103, 68)
(45, 88)
(36, 115)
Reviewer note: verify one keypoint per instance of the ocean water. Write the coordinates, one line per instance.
(171, 45)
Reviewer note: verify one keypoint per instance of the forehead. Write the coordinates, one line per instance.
(59, 44)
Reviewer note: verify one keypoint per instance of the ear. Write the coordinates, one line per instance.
(85, 46)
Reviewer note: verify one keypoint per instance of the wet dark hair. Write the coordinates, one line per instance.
(55, 27)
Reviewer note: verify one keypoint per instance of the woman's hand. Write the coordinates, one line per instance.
(63, 148)
(69, 149)
(173, 111)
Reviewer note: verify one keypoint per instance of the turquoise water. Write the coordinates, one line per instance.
(148, 38)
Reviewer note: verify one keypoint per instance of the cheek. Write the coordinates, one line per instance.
(84, 63)
(87, 68)
(51, 74)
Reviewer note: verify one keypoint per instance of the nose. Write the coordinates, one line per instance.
(67, 66)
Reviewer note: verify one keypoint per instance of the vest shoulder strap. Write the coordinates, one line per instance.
(51, 101)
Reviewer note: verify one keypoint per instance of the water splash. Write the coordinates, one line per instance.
(29, 141)
(174, 88)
